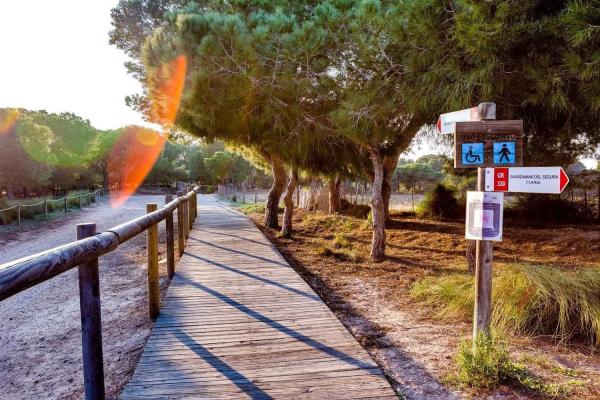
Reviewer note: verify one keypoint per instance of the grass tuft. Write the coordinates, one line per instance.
(255, 208)
(527, 299)
(486, 364)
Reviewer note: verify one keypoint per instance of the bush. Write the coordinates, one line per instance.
(255, 208)
(532, 210)
(355, 210)
(527, 299)
(484, 364)
(438, 203)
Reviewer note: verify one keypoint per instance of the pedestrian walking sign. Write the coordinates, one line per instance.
(504, 153)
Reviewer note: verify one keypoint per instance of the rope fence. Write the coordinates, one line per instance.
(64, 202)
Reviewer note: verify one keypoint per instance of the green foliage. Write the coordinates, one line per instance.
(226, 167)
(537, 60)
(485, 363)
(438, 203)
(437, 162)
(254, 208)
(18, 170)
(415, 175)
(527, 299)
(535, 210)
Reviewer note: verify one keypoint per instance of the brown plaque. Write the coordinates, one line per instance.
(488, 144)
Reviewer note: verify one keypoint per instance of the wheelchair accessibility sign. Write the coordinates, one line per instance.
(472, 153)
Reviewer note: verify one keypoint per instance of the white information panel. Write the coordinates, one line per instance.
(485, 216)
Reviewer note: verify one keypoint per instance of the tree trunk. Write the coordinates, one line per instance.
(335, 203)
(389, 166)
(272, 207)
(288, 201)
(377, 207)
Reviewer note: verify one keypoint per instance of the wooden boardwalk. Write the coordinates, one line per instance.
(239, 323)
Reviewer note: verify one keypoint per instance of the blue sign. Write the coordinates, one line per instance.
(504, 152)
(472, 153)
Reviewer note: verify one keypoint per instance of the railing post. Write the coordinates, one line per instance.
(153, 283)
(186, 212)
(170, 242)
(18, 214)
(180, 226)
(195, 205)
(190, 213)
(91, 323)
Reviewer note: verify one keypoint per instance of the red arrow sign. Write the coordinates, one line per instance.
(526, 180)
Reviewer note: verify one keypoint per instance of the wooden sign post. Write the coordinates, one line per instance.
(480, 142)
(495, 148)
(484, 250)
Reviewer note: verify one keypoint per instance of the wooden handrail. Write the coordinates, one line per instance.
(29, 271)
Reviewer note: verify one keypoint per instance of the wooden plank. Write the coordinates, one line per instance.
(238, 322)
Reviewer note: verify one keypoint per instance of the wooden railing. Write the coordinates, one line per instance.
(21, 274)
(63, 200)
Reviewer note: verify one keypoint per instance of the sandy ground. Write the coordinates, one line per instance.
(40, 335)
(415, 351)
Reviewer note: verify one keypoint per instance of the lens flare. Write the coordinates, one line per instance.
(135, 152)
(131, 159)
(8, 119)
(166, 87)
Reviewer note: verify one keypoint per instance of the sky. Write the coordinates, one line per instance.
(54, 55)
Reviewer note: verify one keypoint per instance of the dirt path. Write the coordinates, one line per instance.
(40, 339)
(416, 351)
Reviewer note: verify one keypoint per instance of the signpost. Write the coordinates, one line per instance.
(552, 180)
(495, 148)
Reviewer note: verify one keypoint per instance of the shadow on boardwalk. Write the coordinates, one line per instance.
(239, 322)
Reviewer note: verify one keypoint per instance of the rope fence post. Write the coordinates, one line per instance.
(91, 324)
(170, 242)
(180, 226)
(153, 283)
